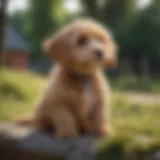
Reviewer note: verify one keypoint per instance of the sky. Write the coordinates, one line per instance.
(71, 5)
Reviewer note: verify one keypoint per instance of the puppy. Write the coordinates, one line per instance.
(78, 95)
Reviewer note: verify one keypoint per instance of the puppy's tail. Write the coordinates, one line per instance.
(26, 121)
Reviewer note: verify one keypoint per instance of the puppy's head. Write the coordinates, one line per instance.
(82, 46)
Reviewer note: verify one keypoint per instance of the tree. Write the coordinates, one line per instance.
(41, 22)
(144, 44)
(3, 6)
(38, 21)
(111, 12)
(44, 20)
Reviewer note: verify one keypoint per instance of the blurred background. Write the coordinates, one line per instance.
(135, 24)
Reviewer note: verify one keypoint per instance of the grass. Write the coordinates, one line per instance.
(136, 84)
(18, 92)
(136, 127)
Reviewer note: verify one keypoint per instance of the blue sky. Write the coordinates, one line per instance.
(71, 5)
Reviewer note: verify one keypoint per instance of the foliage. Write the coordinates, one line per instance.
(136, 84)
(40, 20)
(42, 23)
(145, 39)
(18, 92)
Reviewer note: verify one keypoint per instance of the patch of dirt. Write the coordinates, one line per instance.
(149, 98)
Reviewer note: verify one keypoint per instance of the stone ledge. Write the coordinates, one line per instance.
(23, 143)
(26, 143)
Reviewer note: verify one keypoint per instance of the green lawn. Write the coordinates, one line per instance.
(136, 126)
(136, 84)
(18, 93)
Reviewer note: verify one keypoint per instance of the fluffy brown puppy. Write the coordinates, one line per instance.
(78, 95)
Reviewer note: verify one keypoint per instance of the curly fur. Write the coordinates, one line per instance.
(71, 103)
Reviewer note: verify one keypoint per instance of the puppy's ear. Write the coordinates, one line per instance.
(47, 45)
(57, 46)
(111, 60)
(52, 47)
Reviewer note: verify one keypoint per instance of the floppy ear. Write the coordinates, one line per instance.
(47, 45)
(53, 47)
(58, 45)
(111, 60)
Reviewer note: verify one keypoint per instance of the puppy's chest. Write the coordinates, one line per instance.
(89, 98)
(85, 99)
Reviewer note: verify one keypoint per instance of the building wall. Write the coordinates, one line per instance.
(16, 60)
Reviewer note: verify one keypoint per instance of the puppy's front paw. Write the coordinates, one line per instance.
(105, 131)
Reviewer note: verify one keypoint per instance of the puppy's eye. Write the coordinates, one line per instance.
(82, 40)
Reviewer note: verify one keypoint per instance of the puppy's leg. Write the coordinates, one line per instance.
(44, 124)
(65, 123)
(101, 124)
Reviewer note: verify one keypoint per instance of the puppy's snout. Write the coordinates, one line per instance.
(99, 54)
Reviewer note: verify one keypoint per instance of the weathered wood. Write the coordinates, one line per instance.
(26, 143)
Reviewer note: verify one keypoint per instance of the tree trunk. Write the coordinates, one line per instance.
(3, 6)
(126, 67)
(144, 68)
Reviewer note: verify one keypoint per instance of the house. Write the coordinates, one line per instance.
(16, 52)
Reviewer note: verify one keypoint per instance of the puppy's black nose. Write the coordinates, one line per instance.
(98, 54)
